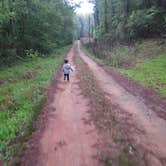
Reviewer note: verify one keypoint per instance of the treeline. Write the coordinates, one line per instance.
(33, 25)
(124, 20)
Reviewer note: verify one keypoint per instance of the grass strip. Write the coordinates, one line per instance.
(149, 73)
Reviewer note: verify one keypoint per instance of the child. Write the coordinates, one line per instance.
(66, 69)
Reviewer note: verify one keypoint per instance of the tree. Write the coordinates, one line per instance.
(121, 20)
(34, 24)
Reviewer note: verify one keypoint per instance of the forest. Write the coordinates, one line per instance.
(33, 26)
(129, 19)
(36, 25)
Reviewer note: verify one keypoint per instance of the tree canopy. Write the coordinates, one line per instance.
(129, 19)
(36, 25)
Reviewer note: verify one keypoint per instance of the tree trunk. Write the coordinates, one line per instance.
(89, 29)
(96, 13)
(147, 4)
(105, 17)
(161, 4)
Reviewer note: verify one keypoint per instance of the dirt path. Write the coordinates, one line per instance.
(70, 139)
(67, 139)
(153, 127)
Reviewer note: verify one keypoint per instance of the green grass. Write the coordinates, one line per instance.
(150, 73)
(21, 99)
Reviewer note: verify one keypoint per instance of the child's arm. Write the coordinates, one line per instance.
(63, 68)
(71, 68)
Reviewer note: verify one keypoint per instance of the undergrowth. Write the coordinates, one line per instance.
(125, 56)
(22, 94)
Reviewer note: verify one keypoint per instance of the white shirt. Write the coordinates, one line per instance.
(66, 68)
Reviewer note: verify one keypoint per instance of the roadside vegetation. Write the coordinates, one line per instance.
(22, 95)
(150, 73)
(125, 56)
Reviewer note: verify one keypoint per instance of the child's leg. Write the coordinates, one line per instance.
(64, 76)
(68, 79)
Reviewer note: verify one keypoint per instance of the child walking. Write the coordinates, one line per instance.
(66, 70)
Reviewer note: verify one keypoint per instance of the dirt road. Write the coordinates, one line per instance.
(69, 139)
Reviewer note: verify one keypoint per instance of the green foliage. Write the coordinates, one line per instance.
(33, 25)
(150, 73)
(21, 98)
(125, 20)
(126, 56)
(125, 161)
(107, 161)
(145, 23)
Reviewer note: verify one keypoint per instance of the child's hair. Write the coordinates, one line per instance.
(66, 61)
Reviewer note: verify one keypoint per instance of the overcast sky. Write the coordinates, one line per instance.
(86, 8)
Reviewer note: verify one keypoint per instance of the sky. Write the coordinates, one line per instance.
(85, 8)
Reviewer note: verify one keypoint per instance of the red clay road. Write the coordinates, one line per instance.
(67, 139)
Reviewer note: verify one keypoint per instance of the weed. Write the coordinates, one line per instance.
(107, 161)
(125, 161)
